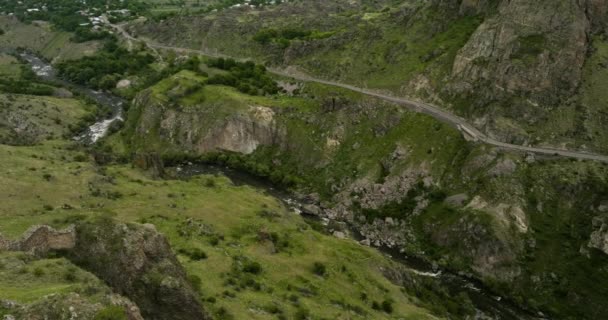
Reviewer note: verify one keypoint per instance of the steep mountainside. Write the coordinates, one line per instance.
(532, 228)
(523, 71)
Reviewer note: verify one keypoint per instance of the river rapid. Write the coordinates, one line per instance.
(99, 129)
(489, 305)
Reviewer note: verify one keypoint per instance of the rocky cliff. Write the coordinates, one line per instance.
(137, 261)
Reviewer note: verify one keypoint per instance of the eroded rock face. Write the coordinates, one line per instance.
(242, 133)
(137, 261)
(536, 48)
(213, 128)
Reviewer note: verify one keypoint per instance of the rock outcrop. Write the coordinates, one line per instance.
(137, 262)
(522, 51)
(599, 236)
(207, 129)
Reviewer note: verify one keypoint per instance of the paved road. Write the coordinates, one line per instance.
(461, 124)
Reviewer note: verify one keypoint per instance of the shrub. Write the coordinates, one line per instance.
(38, 272)
(252, 267)
(302, 314)
(70, 275)
(319, 269)
(387, 306)
(210, 183)
(194, 253)
(111, 313)
(196, 282)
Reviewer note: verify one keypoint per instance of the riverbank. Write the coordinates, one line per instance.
(487, 302)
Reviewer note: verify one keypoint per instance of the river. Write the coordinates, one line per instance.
(489, 305)
(99, 129)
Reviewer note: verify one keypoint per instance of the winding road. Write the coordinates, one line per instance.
(467, 129)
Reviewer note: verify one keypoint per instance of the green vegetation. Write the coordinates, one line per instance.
(28, 119)
(67, 14)
(195, 216)
(247, 77)
(111, 313)
(106, 68)
(530, 47)
(42, 38)
(283, 37)
(243, 250)
(24, 278)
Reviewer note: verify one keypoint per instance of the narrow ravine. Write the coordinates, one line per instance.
(100, 128)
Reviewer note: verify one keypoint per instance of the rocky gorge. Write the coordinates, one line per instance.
(468, 208)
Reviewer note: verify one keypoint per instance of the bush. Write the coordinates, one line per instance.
(111, 313)
(319, 269)
(70, 275)
(387, 306)
(302, 314)
(194, 253)
(252, 267)
(196, 282)
(38, 272)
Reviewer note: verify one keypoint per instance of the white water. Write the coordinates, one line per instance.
(99, 129)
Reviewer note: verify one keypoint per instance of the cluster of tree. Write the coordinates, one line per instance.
(243, 163)
(106, 68)
(247, 77)
(26, 83)
(23, 86)
(83, 34)
(284, 37)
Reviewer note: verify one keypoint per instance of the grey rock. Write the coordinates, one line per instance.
(457, 200)
(339, 235)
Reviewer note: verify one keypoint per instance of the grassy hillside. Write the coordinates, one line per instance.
(40, 37)
(208, 214)
(247, 254)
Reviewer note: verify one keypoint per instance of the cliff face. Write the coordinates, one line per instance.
(137, 261)
(205, 130)
(534, 49)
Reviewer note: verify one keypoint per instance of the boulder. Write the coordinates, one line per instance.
(599, 237)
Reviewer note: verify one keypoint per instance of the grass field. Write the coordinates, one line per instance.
(9, 66)
(44, 184)
(24, 279)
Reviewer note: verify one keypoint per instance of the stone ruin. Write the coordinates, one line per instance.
(41, 239)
